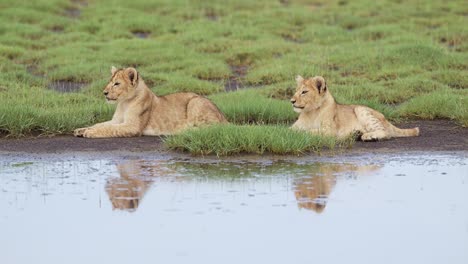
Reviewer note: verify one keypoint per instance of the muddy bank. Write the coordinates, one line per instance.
(437, 135)
(69, 143)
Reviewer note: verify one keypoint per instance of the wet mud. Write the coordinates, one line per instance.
(437, 135)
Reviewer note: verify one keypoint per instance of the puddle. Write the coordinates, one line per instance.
(59, 85)
(141, 34)
(292, 39)
(73, 12)
(314, 6)
(82, 3)
(57, 29)
(285, 2)
(384, 208)
(211, 15)
(66, 86)
(235, 82)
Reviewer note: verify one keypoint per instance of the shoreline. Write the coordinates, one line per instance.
(436, 135)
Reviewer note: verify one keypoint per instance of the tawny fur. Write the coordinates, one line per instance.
(140, 112)
(319, 113)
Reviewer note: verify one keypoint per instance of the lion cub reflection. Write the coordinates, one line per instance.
(127, 191)
(312, 192)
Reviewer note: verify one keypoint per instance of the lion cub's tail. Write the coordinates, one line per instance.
(411, 132)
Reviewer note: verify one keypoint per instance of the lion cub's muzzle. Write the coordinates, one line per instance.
(293, 102)
(109, 97)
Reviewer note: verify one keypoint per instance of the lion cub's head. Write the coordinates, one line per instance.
(122, 85)
(310, 94)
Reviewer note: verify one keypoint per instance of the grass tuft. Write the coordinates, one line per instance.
(231, 139)
(446, 104)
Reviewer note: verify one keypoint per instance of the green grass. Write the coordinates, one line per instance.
(407, 59)
(234, 139)
(48, 112)
(440, 104)
(247, 107)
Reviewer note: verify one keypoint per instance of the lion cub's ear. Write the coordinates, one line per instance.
(299, 79)
(113, 70)
(320, 83)
(132, 75)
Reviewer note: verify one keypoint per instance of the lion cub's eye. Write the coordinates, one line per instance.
(117, 83)
(304, 92)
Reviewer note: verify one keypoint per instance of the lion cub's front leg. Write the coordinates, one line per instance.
(112, 130)
(79, 132)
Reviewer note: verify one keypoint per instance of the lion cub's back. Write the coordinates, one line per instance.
(178, 100)
(194, 107)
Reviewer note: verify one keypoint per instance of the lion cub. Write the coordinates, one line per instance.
(319, 113)
(140, 112)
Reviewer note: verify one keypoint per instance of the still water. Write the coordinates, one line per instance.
(385, 208)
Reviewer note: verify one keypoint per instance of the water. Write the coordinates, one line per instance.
(385, 208)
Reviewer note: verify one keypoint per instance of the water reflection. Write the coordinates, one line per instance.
(311, 183)
(199, 210)
(136, 177)
(313, 190)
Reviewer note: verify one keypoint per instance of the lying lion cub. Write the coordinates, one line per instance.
(140, 112)
(319, 113)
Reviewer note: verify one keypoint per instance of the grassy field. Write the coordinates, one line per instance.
(408, 59)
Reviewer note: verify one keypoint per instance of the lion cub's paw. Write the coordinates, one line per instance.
(79, 131)
(368, 137)
(91, 133)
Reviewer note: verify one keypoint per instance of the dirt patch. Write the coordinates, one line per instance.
(73, 12)
(82, 3)
(314, 6)
(57, 29)
(32, 69)
(285, 2)
(438, 135)
(293, 39)
(342, 3)
(211, 15)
